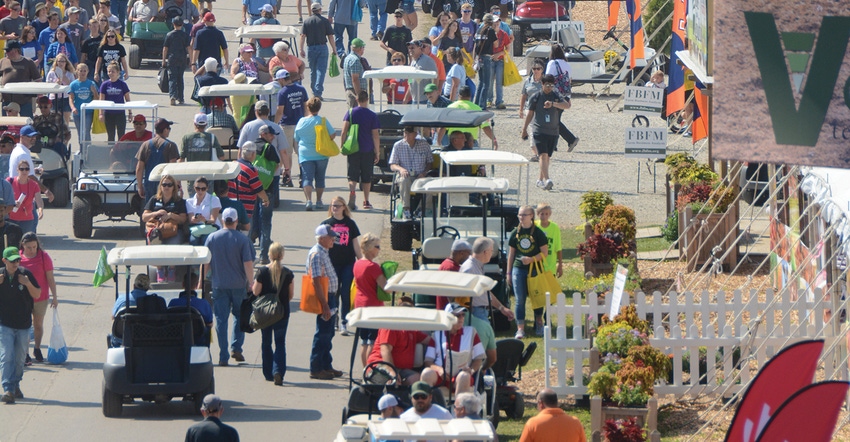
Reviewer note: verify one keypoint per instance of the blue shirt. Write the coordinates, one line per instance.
(230, 250)
(209, 42)
(254, 6)
(46, 38)
(292, 97)
(305, 135)
(134, 296)
(82, 92)
(202, 305)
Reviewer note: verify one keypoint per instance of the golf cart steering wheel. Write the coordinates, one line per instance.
(447, 231)
(380, 373)
(171, 12)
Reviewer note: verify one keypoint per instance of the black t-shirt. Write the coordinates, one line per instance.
(15, 301)
(111, 53)
(10, 234)
(484, 41)
(177, 42)
(91, 47)
(317, 28)
(527, 242)
(171, 206)
(264, 277)
(396, 38)
(342, 253)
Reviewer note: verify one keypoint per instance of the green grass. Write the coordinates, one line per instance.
(652, 244)
(570, 238)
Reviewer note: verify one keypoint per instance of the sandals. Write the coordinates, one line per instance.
(534, 159)
(367, 205)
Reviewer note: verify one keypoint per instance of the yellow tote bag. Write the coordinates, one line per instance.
(97, 126)
(539, 282)
(324, 143)
(467, 63)
(510, 75)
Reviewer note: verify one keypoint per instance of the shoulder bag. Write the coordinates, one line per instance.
(265, 167)
(309, 300)
(324, 143)
(351, 144)
(268, 308)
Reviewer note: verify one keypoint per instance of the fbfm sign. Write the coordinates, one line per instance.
(782, 83)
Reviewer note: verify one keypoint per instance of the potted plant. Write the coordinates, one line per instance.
(593, 205)
(612, 238)
(623, 430)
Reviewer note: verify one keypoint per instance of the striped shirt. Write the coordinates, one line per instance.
(245, 186)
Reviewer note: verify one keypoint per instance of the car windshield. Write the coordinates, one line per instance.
(107, 157)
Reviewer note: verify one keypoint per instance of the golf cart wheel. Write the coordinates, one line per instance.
(634, 80)
(199, 396)
(344, 415)
(61, 192)
(135, 56)
(82, 217)
(519, 39)
(113, 403)
(495, 418)
(518, 409)
(401, 236)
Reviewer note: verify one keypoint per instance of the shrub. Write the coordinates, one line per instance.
(617, 338)
(600, 249)
(623, 430)
(705, 197)
(628, 315)
(593, 205)
(602, 384)
(670, 231)
(618, 218)
(658, 21)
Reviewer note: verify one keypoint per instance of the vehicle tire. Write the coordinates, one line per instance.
(641, 81)
(401, 236)
(135, 56)
(199, 396)
(61, 192)
(82, 218)
(344, 415)
(518, 409)
(495, 418)
(113, 403)
(519, 39)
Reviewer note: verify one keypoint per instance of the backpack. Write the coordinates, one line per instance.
(562, 82)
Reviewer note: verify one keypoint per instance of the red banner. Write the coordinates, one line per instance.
(636, 25)
(807, 416)
(613, 12)
(676, 74)
(786, 373)
(700, 125)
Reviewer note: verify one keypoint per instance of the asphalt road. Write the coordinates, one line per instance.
(64, 402)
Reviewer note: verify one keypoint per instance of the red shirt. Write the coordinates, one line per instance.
(4, 12)
(403, 343)
(450, 266)
(131, 136)
(39, 265)
(245, 187)
(441, 68)
(31, 189)
(366, 274)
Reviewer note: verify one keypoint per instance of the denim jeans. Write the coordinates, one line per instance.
(274, 361)
(485, 73)
(498, 71)
(345, 274)
(118, 8)
(317, 58)
(84, 133)
(377, 15)
(320, 356)
(13, 351)
(480, 313)
(175, 81)
(29, 225)
(519, 279)
(225, 302)
(150, 189)
(261, 221)
(342, 48)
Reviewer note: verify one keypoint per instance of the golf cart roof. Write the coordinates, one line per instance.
(440, 283)
(159, 255)
(460, 184)
(482, 156)
(400, 318)
(34, 88)
(406, 72)
(431, 429)
(106, 104)
(226, 90)
(445, 117)
(211, 170)
(267, 31)
(15, 121)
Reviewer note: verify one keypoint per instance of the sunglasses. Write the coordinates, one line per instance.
(378, 247)
(466, 11)
(420, 397)
(103, 20)
(337, 206)
(397, 59)
(44, 106)
(15, 261)
(200, 189)
(138, 123)
(26, 169)
(166, 184)
(110, 36)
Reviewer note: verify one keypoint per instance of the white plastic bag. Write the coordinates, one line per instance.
(57, 351)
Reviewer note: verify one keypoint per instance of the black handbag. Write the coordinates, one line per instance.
(162, 78)
(245, 311)
(267, 309)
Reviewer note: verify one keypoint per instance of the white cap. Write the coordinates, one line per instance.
(210, 64)
(387, 401)
(229, 215)
(201, 119)
(267, 8)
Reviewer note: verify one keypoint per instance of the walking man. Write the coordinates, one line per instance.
(18, 290)
(543, 117)
(352, 72)
(290, 109)
(267, 163)
(319, 265)
(209, 43)
(340, 13)
(211, 428)
(362, 162)
(151, 153)
(318, 33)
(246, 187)
(232, 268)
(175, 53)
(552, 423)
(200, 145)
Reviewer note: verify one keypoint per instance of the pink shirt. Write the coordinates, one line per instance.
(39, 265)
(31, 189)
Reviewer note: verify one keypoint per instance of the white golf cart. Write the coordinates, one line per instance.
(105, 172)
(189, 171)
(225, 135)
(54, 175)
(165, 350)
(272, 32)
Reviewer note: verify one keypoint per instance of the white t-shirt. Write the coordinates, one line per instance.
(205, 207)
(456, 71)
(551, 68)
(20, 153)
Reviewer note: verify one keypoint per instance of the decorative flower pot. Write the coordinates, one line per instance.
(698, 237)
(646, 417)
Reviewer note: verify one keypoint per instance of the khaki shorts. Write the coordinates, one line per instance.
(40, 308)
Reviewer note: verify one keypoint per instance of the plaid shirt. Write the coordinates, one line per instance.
(319, 264)
(416, 159)
(352, 66)
(222, 119)
(59, 121)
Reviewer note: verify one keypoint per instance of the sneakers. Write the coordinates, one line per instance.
(549, 185)
(8, 398)
(237, 356)
(300, 20)
(501, 106)
(278, 379)
(367, 205)
(320, 205)
(322, 375)
(520, 334)
(309, 206)
(28, 361)
(380, 35)
(336, 373)
(534, 159)
(222, 363)
(541, 184)
(37, 355)
(174, 102)
(352, 201)
(343, 330)
(572, 145)
(373, 38)
(286, 181)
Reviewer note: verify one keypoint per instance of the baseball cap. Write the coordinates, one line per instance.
(177, 19)
(29, 131)
(387, 401)
(414, 43)
(358, 43)
(426, 40)
(140, 117)
(11, 253)
(266, 129)
(420, 387)
(460, 245)
(325, 230)
(201, 119)
(246, 48)
(488, 18)
(430, 87)
(13, 44)
(13, 106)
(455, 308)
(249, 146)
(209, 16)
(230, 216)
(267, 8)
(74, 10)
(162, 124)
(217, 101)
(399, 12)
(281, 74)
(316, 6)
(212, 403)
(261, 104)
(44, 99)
(7, 137)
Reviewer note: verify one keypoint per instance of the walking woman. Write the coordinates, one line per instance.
(528, 244)
(111, 51)
(484, 39)
(313, 164)
(61, 73)
(344, 253)
(26, 191)
(368, 276)
(62, 45)
(456, 76)
(37, 261)
(115, 90)
(275, 278)
(531, 86)
(83, 90)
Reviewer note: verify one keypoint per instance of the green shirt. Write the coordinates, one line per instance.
(527, 242)
(197, 146)
(484, 330)
(466, 105)
(553, 234)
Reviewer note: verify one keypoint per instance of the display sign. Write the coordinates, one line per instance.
(782, 72)
(643, 100)
(577, 25)
(617, 293)
(646, 142)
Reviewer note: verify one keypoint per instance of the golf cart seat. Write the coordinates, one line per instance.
(151, 304)
(227, 139)
(199, 328)
(511, 356)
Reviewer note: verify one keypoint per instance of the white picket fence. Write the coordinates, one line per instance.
(683, 324)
